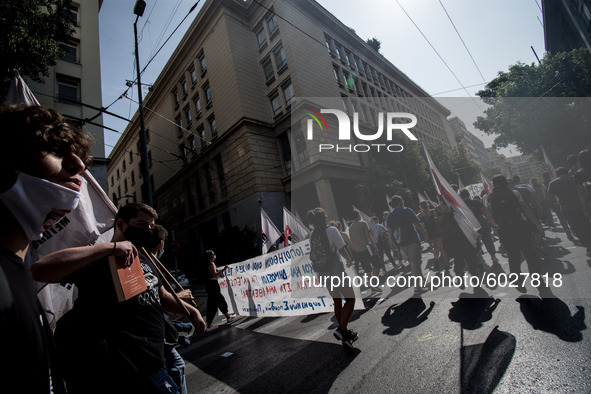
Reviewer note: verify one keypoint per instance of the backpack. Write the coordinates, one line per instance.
(504, 207)
(322, 257)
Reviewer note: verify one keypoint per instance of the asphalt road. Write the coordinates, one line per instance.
(447, 341)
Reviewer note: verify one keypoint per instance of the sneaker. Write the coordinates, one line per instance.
(495, 260)
(212, 328)
(184, 329)
(339, 334)
(521, 289)
(353, 335)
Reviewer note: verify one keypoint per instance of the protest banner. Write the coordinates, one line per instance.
(280, 283)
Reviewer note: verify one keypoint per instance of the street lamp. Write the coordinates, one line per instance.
(138, 9)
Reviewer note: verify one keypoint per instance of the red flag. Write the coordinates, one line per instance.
(486, 183)
(463, 215)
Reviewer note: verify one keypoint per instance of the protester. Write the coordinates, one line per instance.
(364, 249)
(215, 299)
(546, 216)
(403, 221)
(583, 180)
(427, 216)
(175, 365)
(327, 241)
(455, 243)
(121, 345)
(41, 160)
(554, 205)
(514, 222)
(564, 187)
(478, 209)
(380, 238)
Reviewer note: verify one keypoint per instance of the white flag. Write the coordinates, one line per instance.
(372, 224)
(549, 166)
(91, 222)
(463, 215)
(294, 230)
(270, 233)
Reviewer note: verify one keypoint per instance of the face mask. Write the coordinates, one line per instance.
(37, 204)
(139, 236)
(161, 254)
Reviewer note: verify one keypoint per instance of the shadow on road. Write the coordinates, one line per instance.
(552, 315)
(409, 314)
(471, 310)
(268, 363)
(483, 365)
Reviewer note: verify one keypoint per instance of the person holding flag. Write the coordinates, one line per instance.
(42, 158)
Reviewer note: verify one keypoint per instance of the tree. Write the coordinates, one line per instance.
(375, 44)
(30, 35)
(541, 105)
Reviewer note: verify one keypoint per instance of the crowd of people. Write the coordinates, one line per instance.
(106, 345)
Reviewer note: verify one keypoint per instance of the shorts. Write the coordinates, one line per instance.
(413, 253)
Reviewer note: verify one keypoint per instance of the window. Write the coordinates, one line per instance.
(179, 126)
(71, 13)
(184, 88)
(130, 156)
(348, 58)
(288, 93)
(199, 191)
(193, 75)
(221, 176)
(338, 49)
(70, 49)
(272, 25)
(132, 178)
(150, 159)
(183, 152)
(112, 181)
(261, 37)
(123, 166)
(275, 104)
(175, 99)
(68, 89)
(147, 131)
(327, 41)
(268, 70)
(209, 183)
(208, 101)
(202, 64)
(285, 149)
(212, 126)
(118, 176)
(192, 145)
(197, 102)
(188, 115)
(335, 70)
(125, 189)
(280, 59)
(358, 65)
(201, 134)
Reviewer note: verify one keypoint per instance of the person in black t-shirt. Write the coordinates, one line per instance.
(41, 158)
(110, 346)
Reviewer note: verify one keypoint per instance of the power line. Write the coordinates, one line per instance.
(461, 39)
(432, 47)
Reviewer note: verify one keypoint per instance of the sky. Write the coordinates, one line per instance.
(425, 39)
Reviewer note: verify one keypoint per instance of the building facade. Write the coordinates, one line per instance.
(567, 24)
(73, 86)
(474, 146)
(223, 138)
(526, 167)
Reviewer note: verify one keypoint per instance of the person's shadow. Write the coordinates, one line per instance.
(552, 315)
(471, 310)
(409, 314)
